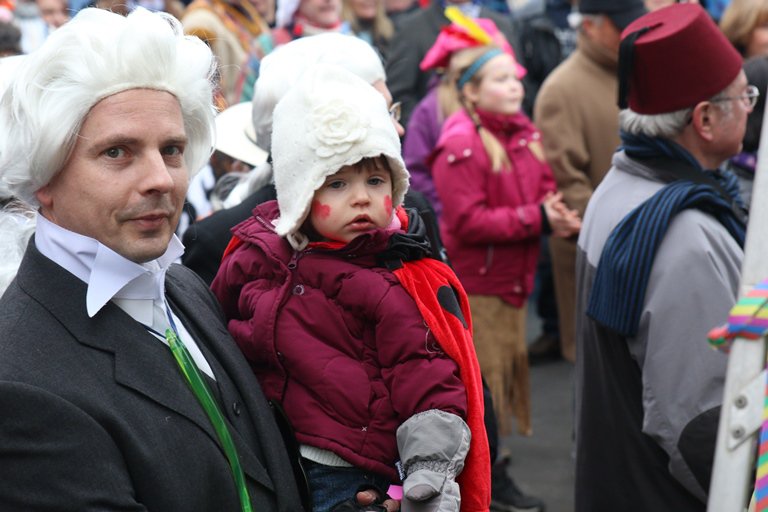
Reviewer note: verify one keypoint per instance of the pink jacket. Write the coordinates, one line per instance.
(336, 340)
(492, 221)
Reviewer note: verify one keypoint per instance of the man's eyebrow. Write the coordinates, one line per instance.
(178, 139)
(128, 140)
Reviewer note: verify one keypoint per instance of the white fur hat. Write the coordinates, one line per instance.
(283, 67)
(330, 119)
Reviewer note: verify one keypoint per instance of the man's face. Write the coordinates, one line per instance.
(603, 32)
(266, 9)
(380, 86)
(324, 13)
(758, 42)
(730, 119)
(126, 179)
(53, 12)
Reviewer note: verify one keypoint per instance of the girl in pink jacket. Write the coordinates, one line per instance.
(498, 197)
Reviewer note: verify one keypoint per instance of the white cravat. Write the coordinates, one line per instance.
(137, 289)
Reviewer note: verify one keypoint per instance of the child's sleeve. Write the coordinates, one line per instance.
(417, 372)
(245, 299)
(229, 282)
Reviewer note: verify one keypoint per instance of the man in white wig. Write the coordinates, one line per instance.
(119, 385)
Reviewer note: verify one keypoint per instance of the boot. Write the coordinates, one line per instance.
(506, 496)
(544, 348)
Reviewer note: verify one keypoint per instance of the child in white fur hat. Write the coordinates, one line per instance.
(363, 340)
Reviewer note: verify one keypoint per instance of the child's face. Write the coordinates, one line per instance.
(355, 200)
(498, 90)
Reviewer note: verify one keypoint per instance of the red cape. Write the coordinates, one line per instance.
(443, 303)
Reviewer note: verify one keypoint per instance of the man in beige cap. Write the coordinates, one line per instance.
(578, 118)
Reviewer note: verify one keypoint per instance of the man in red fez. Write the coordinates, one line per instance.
(658, 262)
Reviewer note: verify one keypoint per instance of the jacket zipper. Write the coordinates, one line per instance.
(488, 260)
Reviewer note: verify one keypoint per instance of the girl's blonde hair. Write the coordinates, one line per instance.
(740, 19)
(450, 99)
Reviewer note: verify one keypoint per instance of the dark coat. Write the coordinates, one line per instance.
(97, 416)
(335, 338)
(647, 407)
(205, 240)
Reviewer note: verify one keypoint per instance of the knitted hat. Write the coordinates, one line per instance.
(454, 38)
(620, 12)
(330, 119)
(673, 58)
(281, 69)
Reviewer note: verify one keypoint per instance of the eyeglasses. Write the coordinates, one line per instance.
(395, 111)
(749, 98)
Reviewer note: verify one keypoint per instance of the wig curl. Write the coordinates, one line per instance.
(95, 55)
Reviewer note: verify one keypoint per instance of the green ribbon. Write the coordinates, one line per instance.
(204, 396)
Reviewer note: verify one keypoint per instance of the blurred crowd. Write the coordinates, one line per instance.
(507, 122)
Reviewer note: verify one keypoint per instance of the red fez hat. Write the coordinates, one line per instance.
(673, 58)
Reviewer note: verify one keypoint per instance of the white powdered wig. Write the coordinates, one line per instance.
(17, 224)
(52, 90)
(95, 55)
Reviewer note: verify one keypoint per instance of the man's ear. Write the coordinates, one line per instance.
(702, 120)
(44, 196)
(588, 26)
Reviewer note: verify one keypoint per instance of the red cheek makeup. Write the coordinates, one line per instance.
(323, 210)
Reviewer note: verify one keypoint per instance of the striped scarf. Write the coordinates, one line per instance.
(621, 280)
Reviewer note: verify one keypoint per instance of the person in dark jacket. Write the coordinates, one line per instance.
(334, 333)
(101, 137)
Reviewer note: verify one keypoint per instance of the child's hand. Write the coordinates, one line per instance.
(371, 497)
(563, 221)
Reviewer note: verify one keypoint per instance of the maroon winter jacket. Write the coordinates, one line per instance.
(492, 221)
(335, 339)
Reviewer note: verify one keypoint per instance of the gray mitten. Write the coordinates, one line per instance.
(433, 445)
